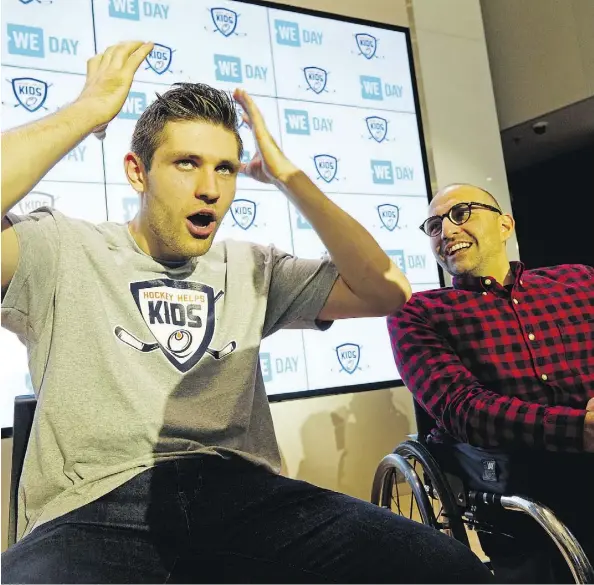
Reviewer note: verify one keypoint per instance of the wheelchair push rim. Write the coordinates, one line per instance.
(431, 497)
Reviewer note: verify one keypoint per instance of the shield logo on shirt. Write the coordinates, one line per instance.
(159, 59)
(378, 127)
(225, 20)
(180, 315)
(243, 212)
(327, 166)
(316, 78)
(389, 215)
(367, 45)
(348, 355)
(31, 93)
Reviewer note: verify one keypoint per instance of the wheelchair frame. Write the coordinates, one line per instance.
(459, 504)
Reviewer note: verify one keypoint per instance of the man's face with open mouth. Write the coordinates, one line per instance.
(190, 187)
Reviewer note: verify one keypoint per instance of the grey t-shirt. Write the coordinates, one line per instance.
(135, 362)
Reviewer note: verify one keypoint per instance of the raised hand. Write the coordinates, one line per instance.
(269, 164)
(109, 78)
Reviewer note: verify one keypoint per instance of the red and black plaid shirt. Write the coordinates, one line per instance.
(507, 367)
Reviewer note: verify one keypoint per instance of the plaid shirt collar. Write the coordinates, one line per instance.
(484, 283)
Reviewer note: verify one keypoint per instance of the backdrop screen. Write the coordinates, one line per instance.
(339, 97)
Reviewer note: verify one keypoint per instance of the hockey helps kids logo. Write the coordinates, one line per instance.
(367, 45)
(316, 79)
(389, 215)
(225, 20)
(241, 123)
(349, 356)
(377, 127)
(30, 93)
(243, 212)
(159, 59)
(181, 317)
(33, 201)
(326, 166)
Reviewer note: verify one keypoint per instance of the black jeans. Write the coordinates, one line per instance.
(208, 519)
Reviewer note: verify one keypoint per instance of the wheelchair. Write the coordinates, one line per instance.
(445, 502)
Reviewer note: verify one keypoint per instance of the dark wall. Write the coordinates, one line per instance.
(553, 204)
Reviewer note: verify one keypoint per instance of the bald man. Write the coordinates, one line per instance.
(503, 362)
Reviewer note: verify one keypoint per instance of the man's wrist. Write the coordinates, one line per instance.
(285, 175)
(86, 114)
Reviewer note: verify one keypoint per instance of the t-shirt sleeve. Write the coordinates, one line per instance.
(27, 301)
(299, 289)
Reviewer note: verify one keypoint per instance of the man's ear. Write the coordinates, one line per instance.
(135, 172)
(506, 226)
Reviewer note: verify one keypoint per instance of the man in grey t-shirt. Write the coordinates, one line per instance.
(153, 456)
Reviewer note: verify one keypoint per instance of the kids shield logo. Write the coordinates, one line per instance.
(378, 127)
(240, 121)
(181, 317)
(33, 201)
(327, 166)
(316, 79)
(349, 355)
(243, 212)
(159, 59)
(389, 216)
(225, 20)
(366, 44)
(30, 93)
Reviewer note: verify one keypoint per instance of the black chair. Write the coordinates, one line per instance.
(445, 501)
(24, 411)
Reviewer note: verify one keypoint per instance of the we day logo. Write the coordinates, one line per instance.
(181, 317)
(289, 34)
(30, 93)
(32, 41)
(137, 10)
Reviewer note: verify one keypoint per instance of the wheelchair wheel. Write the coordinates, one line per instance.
(431, 502)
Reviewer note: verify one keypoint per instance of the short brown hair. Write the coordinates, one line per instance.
(185, 101)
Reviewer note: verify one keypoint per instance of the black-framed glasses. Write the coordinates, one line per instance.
(458, 214)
